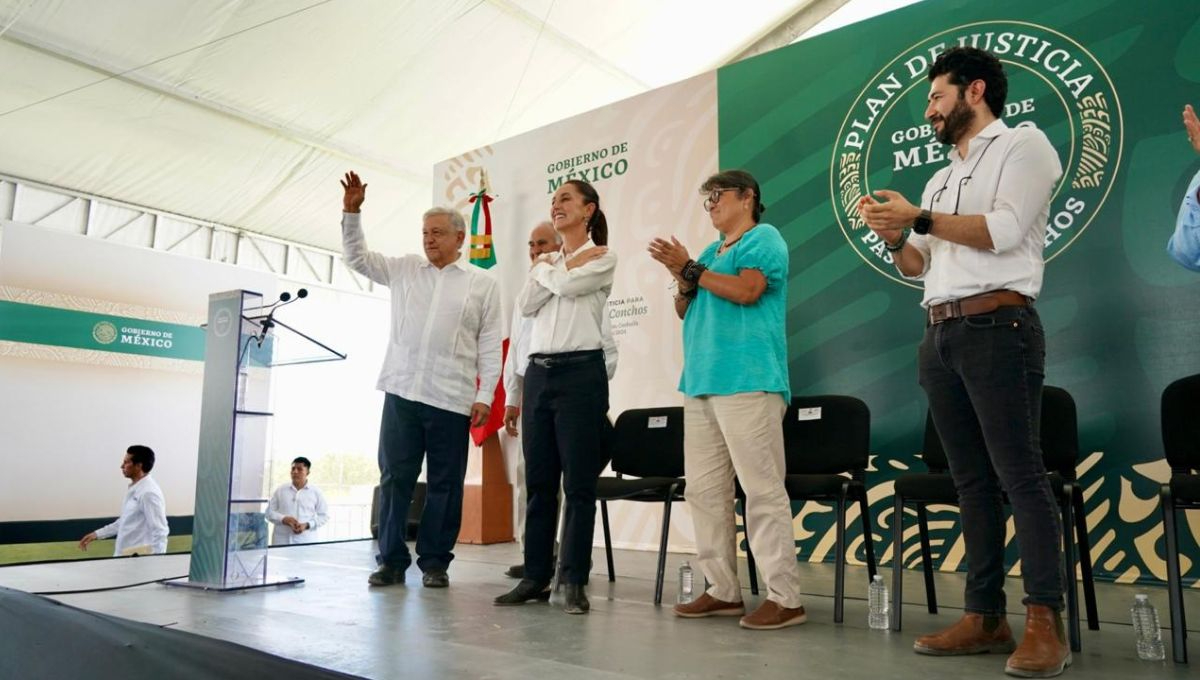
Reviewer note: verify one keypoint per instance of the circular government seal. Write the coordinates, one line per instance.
(222, 322)
(104, 333)
(1054, 84)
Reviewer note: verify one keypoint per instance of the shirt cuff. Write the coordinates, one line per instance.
(482, 397)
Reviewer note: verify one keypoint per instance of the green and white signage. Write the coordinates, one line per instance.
(35, 324)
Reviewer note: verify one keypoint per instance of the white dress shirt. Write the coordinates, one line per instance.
(518, 355)
(306, 504)
(143, 520)
(568, 308)
(1013, 172)
(446, 325)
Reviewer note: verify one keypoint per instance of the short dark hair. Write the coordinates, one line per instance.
(141, 455)
(740, 180)
(303, 461)
(965, 65)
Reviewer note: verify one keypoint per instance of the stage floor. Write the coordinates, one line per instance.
(336, 621)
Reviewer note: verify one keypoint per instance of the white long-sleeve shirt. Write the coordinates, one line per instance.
(1012, 174)
(307, 504)
(568, 307)
(518, 355)
(143, 519)
(446, 325)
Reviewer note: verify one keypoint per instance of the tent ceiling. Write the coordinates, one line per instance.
(246, 112)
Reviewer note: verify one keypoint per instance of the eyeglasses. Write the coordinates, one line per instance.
(714, 198)
(937, 195)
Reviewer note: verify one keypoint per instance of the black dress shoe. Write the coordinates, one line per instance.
(577, 602)
(386, 575)
(515, 571)
(435, 578)
(526, 591)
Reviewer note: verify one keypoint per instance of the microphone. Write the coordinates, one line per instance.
(285, 298)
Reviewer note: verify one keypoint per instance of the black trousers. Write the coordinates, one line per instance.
(565, 416)
(983, 375)
(410, 432)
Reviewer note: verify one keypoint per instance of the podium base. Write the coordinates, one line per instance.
(288, 582)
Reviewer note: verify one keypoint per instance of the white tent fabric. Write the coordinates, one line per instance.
(245, 113)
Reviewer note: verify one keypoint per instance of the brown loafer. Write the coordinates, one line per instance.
(707, 605)
(969, 635)
(1044, 652)
(771, 615)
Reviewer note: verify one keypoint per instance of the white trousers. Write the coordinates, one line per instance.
(740, 434)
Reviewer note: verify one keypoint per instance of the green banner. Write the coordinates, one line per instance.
(20, 322)
(828, 119)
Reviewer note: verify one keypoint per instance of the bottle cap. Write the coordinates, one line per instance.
(1141, 597)
(878, 577)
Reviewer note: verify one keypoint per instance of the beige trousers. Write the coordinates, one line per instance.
(740, 434)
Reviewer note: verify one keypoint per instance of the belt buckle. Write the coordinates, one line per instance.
(547, 362)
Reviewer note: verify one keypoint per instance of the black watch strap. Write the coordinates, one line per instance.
(923, 223)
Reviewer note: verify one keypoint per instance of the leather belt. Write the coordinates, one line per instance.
(565, 358)
(976, 304)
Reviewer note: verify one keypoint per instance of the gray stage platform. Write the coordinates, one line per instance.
(335, 621)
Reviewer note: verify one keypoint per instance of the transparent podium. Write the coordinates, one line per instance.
(243, 344)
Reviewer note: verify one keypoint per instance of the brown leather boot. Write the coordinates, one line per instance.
(1044, 652)
(972, 634)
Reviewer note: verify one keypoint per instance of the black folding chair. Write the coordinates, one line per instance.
(826, 443)
(1181, 442)
(1060, 451)
(647, 458)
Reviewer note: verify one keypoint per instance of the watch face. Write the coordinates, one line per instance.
(922, 224)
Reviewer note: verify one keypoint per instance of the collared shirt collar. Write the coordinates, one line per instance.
(460, 262)
(991, 131)
(562, 252)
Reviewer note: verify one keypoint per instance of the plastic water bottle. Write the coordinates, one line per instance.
(687, 579)
(877, 604)
(1145, 627)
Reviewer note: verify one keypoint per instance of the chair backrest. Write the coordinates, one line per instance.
(1059, 435)
(1060, 432)
(1180, 424)
(826, 434)
(648, 442)
(932, 452)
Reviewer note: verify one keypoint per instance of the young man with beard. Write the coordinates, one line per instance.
(976, 241)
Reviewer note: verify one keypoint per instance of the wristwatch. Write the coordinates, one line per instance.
(922, 224)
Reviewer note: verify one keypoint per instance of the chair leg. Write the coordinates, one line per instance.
(927, 559)
(1174, 582)
(1085, 560)
(750, 565)
(897, 560)
(1072, 584)
(839, 572)
(662, 546)
(868, 538)
(612, 574)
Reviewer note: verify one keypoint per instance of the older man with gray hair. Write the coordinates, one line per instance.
(446, 333)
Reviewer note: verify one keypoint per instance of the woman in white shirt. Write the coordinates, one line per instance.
(565, 403)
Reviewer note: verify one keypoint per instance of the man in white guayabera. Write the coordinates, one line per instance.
(142, 527)
(439, 375)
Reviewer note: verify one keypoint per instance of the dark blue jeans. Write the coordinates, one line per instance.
(408, 431)
(565, 419)
(983, 375)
